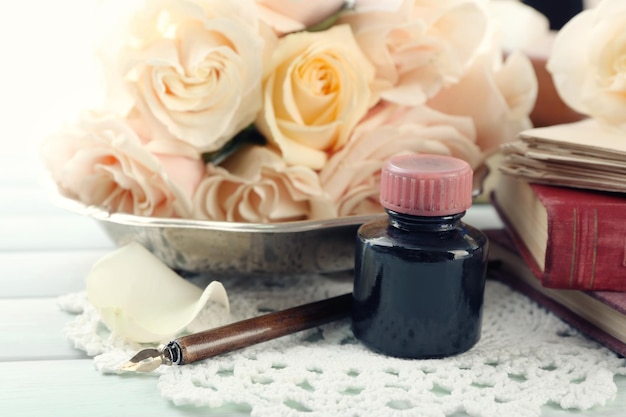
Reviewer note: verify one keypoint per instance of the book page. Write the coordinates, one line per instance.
(586, 134)
(525, 213)
(583, 155)
(555, 152)
(571, 178)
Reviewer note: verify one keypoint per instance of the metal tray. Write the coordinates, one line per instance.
(228, 248)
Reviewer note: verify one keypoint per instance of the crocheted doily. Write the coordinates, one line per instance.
(526, 358)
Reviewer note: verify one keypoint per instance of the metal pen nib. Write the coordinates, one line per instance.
(146, 360)
(203, 345)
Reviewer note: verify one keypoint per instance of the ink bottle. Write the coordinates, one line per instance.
(420, 273)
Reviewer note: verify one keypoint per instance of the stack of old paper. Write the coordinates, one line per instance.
(584, 154)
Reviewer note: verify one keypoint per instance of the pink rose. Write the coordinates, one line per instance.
(185, 173)
(352, 176)
(191, 69)
(419, 47)
(498, 99)
(315, 90)
(101, 161)
(286, 16)
(255, 185)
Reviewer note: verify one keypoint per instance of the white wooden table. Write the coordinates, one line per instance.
(46, 252)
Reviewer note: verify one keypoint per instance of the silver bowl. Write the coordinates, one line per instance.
(228, 248)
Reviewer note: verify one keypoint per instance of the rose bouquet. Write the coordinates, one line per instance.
(281, 110)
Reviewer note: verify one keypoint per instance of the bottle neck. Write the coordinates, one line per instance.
(424, 223)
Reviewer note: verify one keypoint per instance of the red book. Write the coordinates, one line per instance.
(570, 238)
(601, 315)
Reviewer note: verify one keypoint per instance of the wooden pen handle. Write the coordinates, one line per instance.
(207, 344)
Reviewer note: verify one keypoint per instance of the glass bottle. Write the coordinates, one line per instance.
(420, 273)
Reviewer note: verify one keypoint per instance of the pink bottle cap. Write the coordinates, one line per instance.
(426, 185)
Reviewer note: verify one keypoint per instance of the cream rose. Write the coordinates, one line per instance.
(191, 68)
(588, 62)
(498, 98)
(420, 47)
(101, 161)
(315, 90)
(352, 176)
(256, 186)
(517, 26)
(286, 16)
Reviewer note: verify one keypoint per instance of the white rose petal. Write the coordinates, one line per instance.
(143, 300)
(518, 26)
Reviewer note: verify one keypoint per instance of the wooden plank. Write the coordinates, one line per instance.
(46, 273)
(25, 200)
(21, 233)
(32, 329)
(71, 388)
(20, 167)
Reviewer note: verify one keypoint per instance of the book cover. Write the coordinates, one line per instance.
(570, 238)
(600, 315)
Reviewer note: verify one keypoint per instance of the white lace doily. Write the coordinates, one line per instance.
(526, 358)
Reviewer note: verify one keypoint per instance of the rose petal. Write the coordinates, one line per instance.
(101, 161)
(143, 300)
(191, 69)
(255, 185)
(351, 176)
(366, 6)
(518, 26)
(316, 89)
(497, 99)
(587, 63)
(567, 63)
(424, 46)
